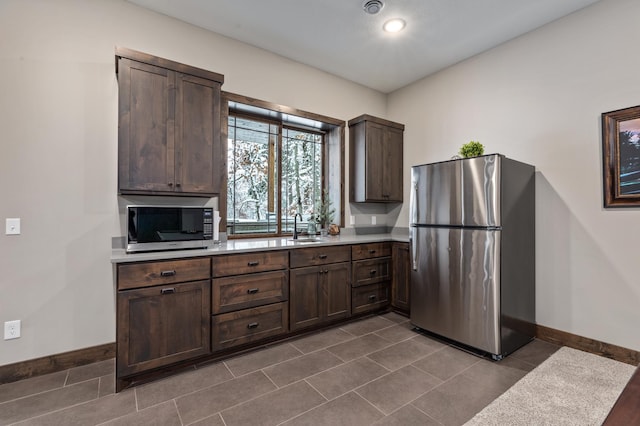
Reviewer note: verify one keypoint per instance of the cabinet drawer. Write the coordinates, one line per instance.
(371, 271)
(237, 264)
(319, 256)
(370, 297)
(249, 325)
(370, 250)
(134, 275)
(246, 291)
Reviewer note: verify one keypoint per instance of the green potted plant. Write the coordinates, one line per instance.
(323, 213)
(471, 149)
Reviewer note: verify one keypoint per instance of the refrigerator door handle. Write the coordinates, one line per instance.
(414, 248)
(413, 199)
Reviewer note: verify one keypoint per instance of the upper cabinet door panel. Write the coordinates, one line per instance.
(374, 163)
(375, 160)
(393, 178)
(197, 132)
(146, 114)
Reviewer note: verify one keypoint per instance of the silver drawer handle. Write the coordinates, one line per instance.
(168, 290)
(168, 273)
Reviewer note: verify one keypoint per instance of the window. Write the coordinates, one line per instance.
(279, 162)
(274, 172)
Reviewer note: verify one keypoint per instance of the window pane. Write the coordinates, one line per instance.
(258, 200)
(252, 160)
(301, 175)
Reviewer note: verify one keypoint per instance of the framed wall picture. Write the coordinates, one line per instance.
(621, 157)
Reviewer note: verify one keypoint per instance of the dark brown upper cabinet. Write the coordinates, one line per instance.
(375, 160)
(169, 127)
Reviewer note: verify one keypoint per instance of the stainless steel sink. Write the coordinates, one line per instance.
(304, 240)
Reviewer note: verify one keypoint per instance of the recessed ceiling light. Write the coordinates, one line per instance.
(394, 25)
(372, 6)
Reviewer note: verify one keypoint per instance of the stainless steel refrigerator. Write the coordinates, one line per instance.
(472, 233)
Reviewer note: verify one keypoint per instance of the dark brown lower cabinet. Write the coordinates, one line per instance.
(401, 281)
(319, 294)
(161, 325)
(249, 325)
(370, 297)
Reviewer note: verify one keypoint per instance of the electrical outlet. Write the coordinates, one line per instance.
(373, 220)
(352, 220)
(13, 226)
(11, 329)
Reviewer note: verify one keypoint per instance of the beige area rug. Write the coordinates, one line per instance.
(570, 388)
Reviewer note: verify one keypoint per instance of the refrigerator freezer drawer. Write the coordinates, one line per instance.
(457, 193)
(455, 289)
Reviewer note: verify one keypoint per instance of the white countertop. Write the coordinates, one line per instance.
(251, 245)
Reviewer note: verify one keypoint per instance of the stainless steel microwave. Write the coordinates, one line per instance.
(155, 228)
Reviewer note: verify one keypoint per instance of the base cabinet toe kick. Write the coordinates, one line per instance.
(173, 314)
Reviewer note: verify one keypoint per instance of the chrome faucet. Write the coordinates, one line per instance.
(295, 225)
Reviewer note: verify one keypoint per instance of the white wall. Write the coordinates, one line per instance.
(538, 99)
(58, 120)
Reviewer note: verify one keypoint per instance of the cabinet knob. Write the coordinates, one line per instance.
(373, 272)
(322, 256)
(252, 291)
(252, 325)
(254, 263)
(372, 297)
(170, 184)
(372, 251)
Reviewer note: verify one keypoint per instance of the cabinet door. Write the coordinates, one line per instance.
(392, 165)
(374, 163)
(161, 325)
(145, 130)
(197, 133)
(305, 297)
(336, 290)
(400, 283)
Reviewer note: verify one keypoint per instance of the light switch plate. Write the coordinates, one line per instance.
(13, 226)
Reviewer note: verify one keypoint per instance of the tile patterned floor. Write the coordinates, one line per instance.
(376, 371)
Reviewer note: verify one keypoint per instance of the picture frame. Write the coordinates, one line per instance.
(621, 157)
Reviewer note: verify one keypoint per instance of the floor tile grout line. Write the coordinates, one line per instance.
(45, 391)
(250, 399)
(326, 401)
(228, 369)
(195, 390)
(58, 409)
(422, 411)
(175, 404)
(135, 397)
(277, 363)
(369, 402)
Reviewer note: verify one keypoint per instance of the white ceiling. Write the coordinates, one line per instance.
(338, 37)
